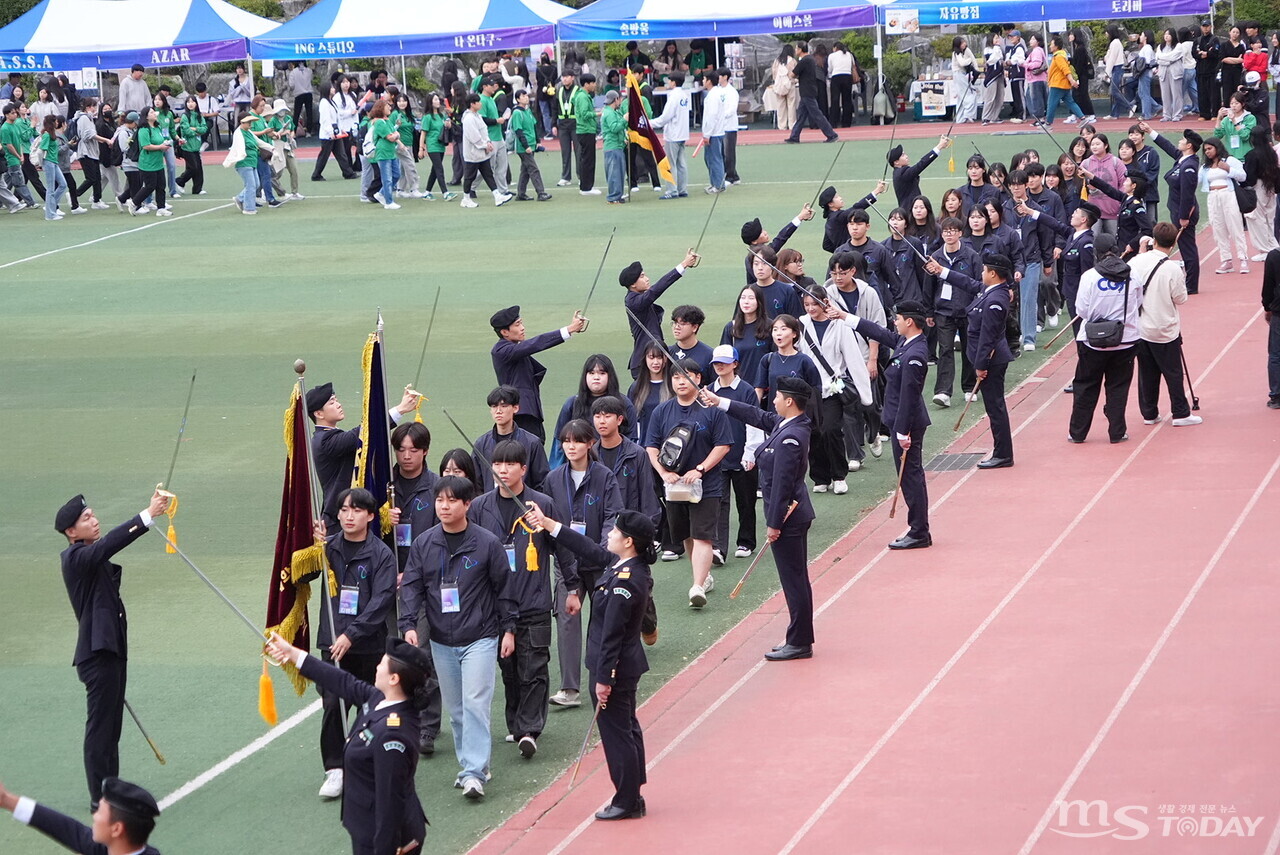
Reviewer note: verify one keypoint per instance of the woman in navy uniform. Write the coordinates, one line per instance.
(380, 806)
(904, 410)
(783, 461)
(615, 656)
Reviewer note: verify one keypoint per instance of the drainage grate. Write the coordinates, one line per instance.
(953, 462)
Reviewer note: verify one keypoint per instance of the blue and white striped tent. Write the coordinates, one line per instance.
(616, 20)
(337, 29)
(74, 34)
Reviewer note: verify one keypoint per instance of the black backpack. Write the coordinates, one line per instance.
(677, 449)
(135, 150)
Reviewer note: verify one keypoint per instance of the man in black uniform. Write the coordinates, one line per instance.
(641, 299)
(1208, 54)
(906, 177)
(1184, 212)
(905, 412)
(754, 235)
(783, 460)
(122, 821)
(514, 365)
(504, 408)
(834, 211)
(93, 586)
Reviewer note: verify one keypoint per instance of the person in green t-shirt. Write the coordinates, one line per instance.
(191, 131)
(152, 144)
(54, 181)
(258, 110)
(247, 167)
(437, 127)
(167, 122)
(29, 133)
(524, 128)
(615, 147)
(402, 116)
(495, 124)
(585, 126)
(385, 136)
(284, 128)
(11, 141)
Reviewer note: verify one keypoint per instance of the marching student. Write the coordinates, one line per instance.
(906, 176)
(514, 365)
(739, 465)
(599, 380)
(641, 299)
(748, 332)
(685, 323)
(849, 295)
(504, 408)
(754, 235)
(1184, 210)
(779, 297)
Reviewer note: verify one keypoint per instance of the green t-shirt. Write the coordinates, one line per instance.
(150, 161)
(259, 123)
(522, 120)
(283, 123)
(432, 131)
(250, 151)
(404, 125)
(383, 148)
(615, 128)
(193, 128)
(584, 112)
(11, 135)
(28, 133)
(50, 144)
(489, 110)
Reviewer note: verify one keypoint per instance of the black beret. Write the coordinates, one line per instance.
(1091, 209)
(894, 154)
(129, 798)
(1192, 137)
(69, 513)
(318, 397)
(825, 198)
(751, 231)
(1104, 244)
(630, 274)
(505, 318)
(410, 654)
(636, 526)
(1000, 263)
(794, 387)
(911, 309)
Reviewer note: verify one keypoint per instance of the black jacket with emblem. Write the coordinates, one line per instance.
(478, 568)
(372, 572)
(71, 833)
(417, 503)
(531, 589)
(595, 503)
(93, 586)
(904, 409)
(783, 462)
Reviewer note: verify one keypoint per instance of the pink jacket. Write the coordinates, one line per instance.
(1037, 58)
(1110, 169)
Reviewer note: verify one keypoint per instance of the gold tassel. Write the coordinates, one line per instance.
(531, 557)
(1084, 190)
(170, 548)
(366, 366)
(306, 564)
(267, 698)
(384, 518)
(951, 164)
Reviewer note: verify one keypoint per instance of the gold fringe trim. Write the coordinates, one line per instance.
(366, 368)
(288, 629)
(384, 515)
(306, 564)
(294, 398)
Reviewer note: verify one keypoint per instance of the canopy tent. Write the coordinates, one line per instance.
(336, 29)
(905, 15)
(75, 34)
(619, 20)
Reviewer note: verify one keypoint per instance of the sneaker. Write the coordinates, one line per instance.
(239, 204)
(1026, 348)
(1273, 403)
(635, 189)
(544, 197)
(276, 203)
(742, 552)
(500, 199)
(16, 208)
(393, 206)
(1154, 421)
(79, 210)
(839, 487)
(250, 213)
(669, 196)
(970, 396)
(133, 209)
(592, 192)
(332, 786)
(468, 202)
(472, 789)
(697, 597)
(429, 196)
(717, 559)
(99, 206)
(1053, 321)
(510, 737)
(1070, 120)
(1069, 388)
(1107, 118)
(175, 194)
(877, 447)
(528, 747)
(819, 488)
(942, 399)
(668, 555)
(1244, 268)
(1187, 421)
(563, 183)
(709, 585)
(450, 196)
(206, 193)
(365, 199)
(164, 212)
(1262, 256)
(296, 197)
(1225, 267)
(566, 698)
(855, 465)
(711, 191)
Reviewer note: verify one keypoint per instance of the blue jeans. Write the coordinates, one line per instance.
(1273, 355)
(18, 183)
(1056, 95)
(615, 172)
(264, 178)
(1190, 91)
(249, 195)
(1037, 95)
(55, 185)
(715, 161)
(171, 170)
(389, 169)
(1119, 104)
(1028, 297)
(1144, 94)
(466, 676)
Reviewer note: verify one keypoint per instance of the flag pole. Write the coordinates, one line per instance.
(391, 449)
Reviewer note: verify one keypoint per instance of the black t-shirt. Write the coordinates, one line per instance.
(806, 72)
(609, 456)
(453, 541)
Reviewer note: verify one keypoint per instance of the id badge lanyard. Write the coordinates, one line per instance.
(450, 601)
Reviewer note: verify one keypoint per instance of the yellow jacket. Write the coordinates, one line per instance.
(1060, 71)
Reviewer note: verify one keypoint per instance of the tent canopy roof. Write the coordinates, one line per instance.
(619, 20)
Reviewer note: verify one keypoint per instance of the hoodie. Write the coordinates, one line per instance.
(1102, 298)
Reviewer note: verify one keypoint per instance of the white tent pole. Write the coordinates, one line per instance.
(404, 74)
(880, 83)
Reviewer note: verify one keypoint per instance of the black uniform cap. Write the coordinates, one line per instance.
(505, 318)
(69, 513)
(636, 526)
(129, 798)
(1001, 264)
(911, 309)
(1192, 137)
(825, 198)
(796, 389)
(409, 654)
(1091, 209)
(630, 274)
(751, 231)
(318, 397)
(894, 154)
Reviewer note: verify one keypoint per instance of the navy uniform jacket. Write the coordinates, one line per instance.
(836, 231)
(904, 409)
(93, 586)
(630, 428)
(965, 262)
(906, 179)
(908, 268)
(478, 569)
(779, 241)
(514, 365)
(380, 806)
(531, 589)
(595, 504)
(974, 196)
(614, 651)
(335, 455)
(783, 461)
(1077, 254)
(1182, 180)
(70, 833)
(417, 504)
(1051, 203)
(1147, 162)
(644, 307)
(1026, 233)
(372, 571)
(880, 271)
(988, 313)
(537, 465)
(1134, 220)
(630, 465)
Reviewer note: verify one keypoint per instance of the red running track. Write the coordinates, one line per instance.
(1094, 625)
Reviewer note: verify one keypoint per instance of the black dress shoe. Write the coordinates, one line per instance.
(788, 651)
(909, 542)
(613, 812)
(996, 463)
(1124, 438)
(427, 745)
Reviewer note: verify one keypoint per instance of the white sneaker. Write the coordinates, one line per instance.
(635, 189)
(164, 212)
(528, 747)
(1154, 421)
(1039, 328)
(472, 788)
(709, 585)
(566, 698)
(1028, 347)
(500, 199)
(79, 210)
(819, 488)
(392, 207)
(839, 487)
(1262, 256)
(942, 399)
(468, 202)
(1053, 321)
(563, 183)
(970, 396)
(510, 737)
(877, 447)
(742, 552)
(592, 192)
(133, 209)
(668, 555)
(297, 197)
(332, 786)
(100, 206)
(1187, 421)
(855, 465)
(176, 195)
(697, 597)
(717, 560)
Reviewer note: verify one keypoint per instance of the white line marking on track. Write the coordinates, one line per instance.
(1148, 662)
(160, 221)
(243, 754)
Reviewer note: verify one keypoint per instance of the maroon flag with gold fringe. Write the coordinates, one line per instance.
(640, 130)
(298, 557)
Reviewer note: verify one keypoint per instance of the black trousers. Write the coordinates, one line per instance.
(71, 188)
(533, 425)
(643, 166)
(1161, 360)
(362, 666)
(841, 113)
(436, 174)
(1189, 251)
(809, 114)
(947, 328)
(456, 163)
(1050, 296)
(1209, 94)
(566, 131)
(1082, 98)
(430, 714)
(304, 112)
(827, 460)
(992, 390)
(340, 152)
(32, 175)
(469, 172)
(526, 676)
(133, 183)
(92, 179)
(103, 676)
(152, 183)
(194, 171)
(730, 155)
(1016, 88)
(623, 742)
(743, 485)
(1097, 370)
(586, 161)
(914, 491)
(791, 555)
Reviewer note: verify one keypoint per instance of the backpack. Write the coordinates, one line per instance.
(676, 450)
(367, 142)
(73, 131)
(134, 151)
(36, 153)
